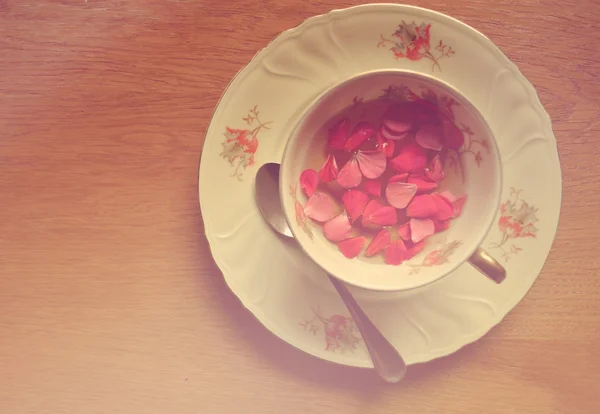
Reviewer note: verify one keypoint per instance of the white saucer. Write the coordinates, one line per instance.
(290, 295)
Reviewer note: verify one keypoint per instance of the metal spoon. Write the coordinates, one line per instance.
(387, 361)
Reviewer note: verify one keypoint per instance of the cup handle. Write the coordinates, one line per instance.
(487, 265)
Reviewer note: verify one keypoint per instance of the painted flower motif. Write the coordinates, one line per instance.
(240, 145)
(413, 42)
(441, 256)
(517, 220)
(478, 158)
(301, 218)
(341, 334)
(438, 256)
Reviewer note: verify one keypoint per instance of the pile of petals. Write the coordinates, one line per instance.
(379, 186)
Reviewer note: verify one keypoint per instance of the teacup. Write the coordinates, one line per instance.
(473, 170)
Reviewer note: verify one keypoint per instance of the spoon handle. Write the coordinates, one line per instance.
(387, 361)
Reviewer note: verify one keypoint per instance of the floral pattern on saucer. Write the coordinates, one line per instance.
(413, 42)
(240, 145)
(340, 332)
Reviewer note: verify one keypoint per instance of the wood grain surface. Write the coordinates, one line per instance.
(109, 299)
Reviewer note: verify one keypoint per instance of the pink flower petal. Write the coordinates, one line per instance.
(355, 202)
(399, 117)
(338, 134)
(321, 207)
(457, 202)
(441, 225)
(404, 231)
(393, 136)
(372, 187)
(395, 253)
(309, 179)
(425, 112)
(371, 163)
(410, 158)
(422, 184)
(453, 136)
(352, 247)
(422, 206)
(421, 229)
(445, 208)
(415, 249)
(458, 206)
(379, 242)
(429, 137)
(338, 228)
(435, 171)
(329, 170)
(360, 134)
(385, 145)
(350, 175)
(378, 215)
(398, 178)
(448, 195)
(399, 194)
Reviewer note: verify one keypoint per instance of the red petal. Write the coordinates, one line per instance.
(379, 215)
(458, 206)
(410, 158)
(379, 242)
(422, 184)
(399, 117)
(338, 228)
(425, 112)
(445, 208)
(420, 229)
(429, 137)
(321, 207)
(309, 179)
(395, 253)
(355, 202)
(385, 145)
(371, 163)
(393, 136)
(441, 225)
(404, 231)
(329, 170)
(422, 206)
(352, 247)
(398, 178)
(372, 187)
(457, 202)
(415, 249)
(448, 195)
(350, 175)
(400, 194)
(435, 171)
(338, 134)
(360, 134)
(453, 137)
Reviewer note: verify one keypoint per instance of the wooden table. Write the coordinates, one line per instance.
(109, 299)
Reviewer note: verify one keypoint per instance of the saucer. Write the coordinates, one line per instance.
(274, 280)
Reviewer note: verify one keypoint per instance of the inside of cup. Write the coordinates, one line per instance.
(471, 171)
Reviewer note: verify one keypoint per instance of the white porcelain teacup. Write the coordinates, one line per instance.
(473, 170)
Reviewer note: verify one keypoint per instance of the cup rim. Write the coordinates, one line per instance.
(495, 153)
